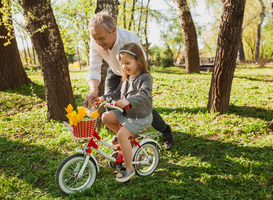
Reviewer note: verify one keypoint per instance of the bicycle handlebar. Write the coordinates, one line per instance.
(110, 105)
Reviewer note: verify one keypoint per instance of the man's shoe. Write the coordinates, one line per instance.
(168, 137)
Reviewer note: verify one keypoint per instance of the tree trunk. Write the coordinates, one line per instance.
(271, 5)
(132, 15)
(258, 35)
(78, 55)
(29, 56)
(25, 52)
(145, 30)
(34, 56)
(140, 16)
(12, 73)
(189, 36)
(49, 48)
(124, 14)
(226, 54)
(241, 49)
(112, 7)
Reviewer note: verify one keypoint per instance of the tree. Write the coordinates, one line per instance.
(271, 6)
(48, 44)
(225, 61)
(259, 27)
(190, 37)
(12, 72)
(145, 29)
(241, 51)
(73, 19)
(112, 7)
(167, 60)
(132, 15)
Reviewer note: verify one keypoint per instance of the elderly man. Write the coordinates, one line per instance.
(106, 41)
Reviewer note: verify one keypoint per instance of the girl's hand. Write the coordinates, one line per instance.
(122, 103)
(100, 100)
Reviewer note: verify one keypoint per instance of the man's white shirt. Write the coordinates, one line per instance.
(97, 54)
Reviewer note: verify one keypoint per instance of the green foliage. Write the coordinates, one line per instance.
(167, 60)
(155, 50)
(267, 44)
(173, 35)
(214, 156)
(158, 60)
(73, 19)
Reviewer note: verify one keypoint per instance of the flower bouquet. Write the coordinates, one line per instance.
(81, 124)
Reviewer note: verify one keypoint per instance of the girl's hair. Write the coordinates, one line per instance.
(104, 19)
(135, 51)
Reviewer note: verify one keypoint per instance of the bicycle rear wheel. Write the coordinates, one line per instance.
(146, 169)
(66, 177)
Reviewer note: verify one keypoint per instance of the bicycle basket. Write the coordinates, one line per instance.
(84, 129)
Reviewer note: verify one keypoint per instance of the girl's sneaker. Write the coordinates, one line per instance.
(126, 175)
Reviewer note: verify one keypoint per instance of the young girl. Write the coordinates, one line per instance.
(135, 90)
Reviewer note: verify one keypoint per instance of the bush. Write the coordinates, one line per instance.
(158, 59)
(167, 60)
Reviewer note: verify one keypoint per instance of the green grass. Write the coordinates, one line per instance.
(214, 156)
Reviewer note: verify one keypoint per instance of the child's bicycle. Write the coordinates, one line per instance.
(79, 171)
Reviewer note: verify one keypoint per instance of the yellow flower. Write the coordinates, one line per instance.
(74, 120)
(69, 108)
(95, 114)
(71, 114)
(81, 113)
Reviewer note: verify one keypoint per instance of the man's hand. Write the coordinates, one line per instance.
(100, 100)
(92, 97)
(122, 103)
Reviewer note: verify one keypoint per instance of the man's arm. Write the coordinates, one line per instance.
(93, 95)
(93, 75)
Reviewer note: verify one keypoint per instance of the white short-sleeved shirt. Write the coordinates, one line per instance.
(97, 54)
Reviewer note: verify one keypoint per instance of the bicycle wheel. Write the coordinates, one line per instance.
(146, 169)
(66, 177)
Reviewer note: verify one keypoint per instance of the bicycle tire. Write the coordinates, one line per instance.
(146, 170)
(66, 174)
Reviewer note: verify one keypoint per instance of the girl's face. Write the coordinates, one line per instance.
(129, 64)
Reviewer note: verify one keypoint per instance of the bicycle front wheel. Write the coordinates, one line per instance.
(146, 169)
(66, 177)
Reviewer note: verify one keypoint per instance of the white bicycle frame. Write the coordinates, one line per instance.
(98, 150)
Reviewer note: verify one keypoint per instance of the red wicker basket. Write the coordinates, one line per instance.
(84, 129)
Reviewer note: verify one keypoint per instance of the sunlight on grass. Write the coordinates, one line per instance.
(214, 156)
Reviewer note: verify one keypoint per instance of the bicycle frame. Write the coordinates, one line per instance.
(79, 171)
(91, 144)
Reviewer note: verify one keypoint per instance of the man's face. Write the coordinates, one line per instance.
(103, 38)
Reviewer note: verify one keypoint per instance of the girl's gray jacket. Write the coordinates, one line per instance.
(138, 91)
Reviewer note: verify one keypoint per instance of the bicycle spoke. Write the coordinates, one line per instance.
(87, 172)
(72, 184)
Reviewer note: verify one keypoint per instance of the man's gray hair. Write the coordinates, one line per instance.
(104, 19)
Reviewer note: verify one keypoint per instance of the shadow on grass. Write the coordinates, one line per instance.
(259, 78)
(244, 111)
(34, 165)
(29, 90)
(212, 168)
(173, 70)
(200, 169)
(251, 111)
(194, 110)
